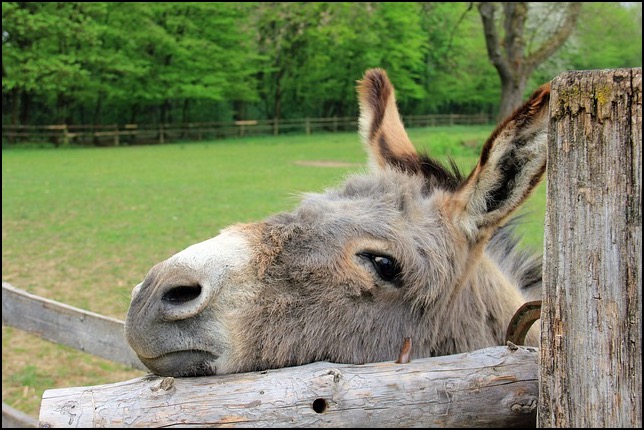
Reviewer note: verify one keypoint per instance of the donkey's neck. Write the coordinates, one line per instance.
(485, 305)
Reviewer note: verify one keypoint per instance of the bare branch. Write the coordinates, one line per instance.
(557, 39)
(487, 11)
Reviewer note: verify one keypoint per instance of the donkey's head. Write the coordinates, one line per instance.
(410, 249)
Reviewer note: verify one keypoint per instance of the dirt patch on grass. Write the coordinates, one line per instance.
(325, 163)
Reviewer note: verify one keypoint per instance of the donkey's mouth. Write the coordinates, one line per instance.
(182, 363)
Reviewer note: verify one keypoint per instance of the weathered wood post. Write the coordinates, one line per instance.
(117, 135)
(65, 135)
(591, 345)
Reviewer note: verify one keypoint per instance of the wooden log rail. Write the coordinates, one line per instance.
(492, 387)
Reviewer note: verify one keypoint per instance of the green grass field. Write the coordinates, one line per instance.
(83, 226)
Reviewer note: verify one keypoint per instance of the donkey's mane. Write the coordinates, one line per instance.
(439, 175)
(436, 173)
(517, 262)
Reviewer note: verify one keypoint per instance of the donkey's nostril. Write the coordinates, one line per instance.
(182, 294)
(184, 301)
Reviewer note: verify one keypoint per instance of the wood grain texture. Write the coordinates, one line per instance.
(591, 345)
(492, 387)
(60, 323)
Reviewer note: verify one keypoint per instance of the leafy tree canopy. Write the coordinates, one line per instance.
(107, 62)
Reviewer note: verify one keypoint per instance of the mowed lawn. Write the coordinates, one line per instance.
(84, 225)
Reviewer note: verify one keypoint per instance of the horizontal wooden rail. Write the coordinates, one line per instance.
(439, 118)
(13, 418)
(60, 323)
(491, 387)
(101, 134)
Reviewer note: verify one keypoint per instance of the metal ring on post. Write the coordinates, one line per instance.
(521, 322)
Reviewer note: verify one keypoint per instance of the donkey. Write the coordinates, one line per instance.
(408, 249)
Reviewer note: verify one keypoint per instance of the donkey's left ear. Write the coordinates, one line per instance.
(381, 128)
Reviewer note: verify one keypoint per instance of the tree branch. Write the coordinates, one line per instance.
(487, 10)
(451, 35)
(516, 14)
(557, 39)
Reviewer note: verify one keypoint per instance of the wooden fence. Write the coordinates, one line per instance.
(587, 373)
(131, 134)
(66, 325)
(591, 344)
(502, 391)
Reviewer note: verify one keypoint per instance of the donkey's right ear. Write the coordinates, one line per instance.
(512, 164)
(381, 128)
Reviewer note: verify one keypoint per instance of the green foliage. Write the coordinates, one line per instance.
(315, 51)
(608, 35)
(129, 62)
(79, 57)
(459, 76)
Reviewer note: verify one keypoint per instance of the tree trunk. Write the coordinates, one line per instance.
(185, 111)
(165, 112)
(134, 110)
(508, 55)
(239, 110)
(61, 108)
(25, 107)
(591, 344)
(98, 108)
(511, 95)
(13, 99)
(277, 106)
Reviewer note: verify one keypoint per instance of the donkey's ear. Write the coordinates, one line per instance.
(381, 128)
(512, 164)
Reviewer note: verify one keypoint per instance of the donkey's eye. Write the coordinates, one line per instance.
(386, 267)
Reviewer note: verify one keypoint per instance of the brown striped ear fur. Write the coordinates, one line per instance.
(381, 128)
(512, 164)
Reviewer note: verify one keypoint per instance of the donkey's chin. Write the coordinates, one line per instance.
(183, 364)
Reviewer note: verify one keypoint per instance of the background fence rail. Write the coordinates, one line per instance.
(66, 325)
(133, 134)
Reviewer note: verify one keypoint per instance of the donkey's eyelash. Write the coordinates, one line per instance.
(385, 266)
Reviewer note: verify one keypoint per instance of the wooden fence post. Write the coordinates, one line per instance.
(65, 135)
(591, 344)
(117, 140)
